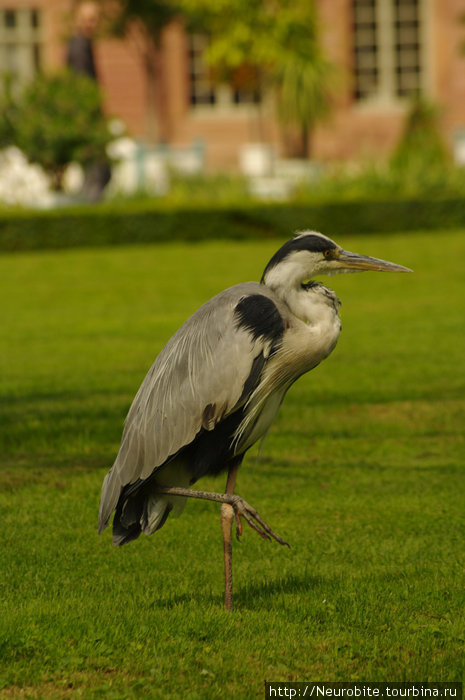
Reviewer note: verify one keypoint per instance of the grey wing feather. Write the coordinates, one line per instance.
(196, 380)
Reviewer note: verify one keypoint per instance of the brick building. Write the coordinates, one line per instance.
(383, 49)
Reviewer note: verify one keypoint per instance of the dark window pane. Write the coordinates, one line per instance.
(10, 19)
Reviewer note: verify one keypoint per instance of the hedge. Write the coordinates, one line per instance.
(150, 222)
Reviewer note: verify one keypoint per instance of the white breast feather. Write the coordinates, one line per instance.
(304, 346)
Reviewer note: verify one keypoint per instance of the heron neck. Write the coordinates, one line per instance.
(287, 277)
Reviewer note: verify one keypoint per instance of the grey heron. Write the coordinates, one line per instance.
(215, 389)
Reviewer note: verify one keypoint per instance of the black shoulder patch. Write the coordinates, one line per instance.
(309, 241)
(259, 315)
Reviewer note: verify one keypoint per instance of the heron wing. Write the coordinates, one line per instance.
(206, 370)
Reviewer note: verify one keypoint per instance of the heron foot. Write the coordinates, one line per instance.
(243, 509)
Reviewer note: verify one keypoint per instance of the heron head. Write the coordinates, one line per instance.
(311, 253)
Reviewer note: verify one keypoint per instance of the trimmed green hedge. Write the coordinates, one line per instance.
(150, 222)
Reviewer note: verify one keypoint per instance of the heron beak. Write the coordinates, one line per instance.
(354, 261)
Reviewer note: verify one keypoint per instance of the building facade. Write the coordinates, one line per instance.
(383, 52)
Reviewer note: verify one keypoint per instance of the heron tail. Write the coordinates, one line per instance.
(141, 509)
(139, 513)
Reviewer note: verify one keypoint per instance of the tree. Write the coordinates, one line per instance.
(281, 39)
(55, 120)
(302, 75)
(420, 147)
(143, 21)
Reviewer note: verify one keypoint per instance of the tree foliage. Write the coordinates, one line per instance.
(55, 120)
(280, 38)
(151, 16)
(8, 112)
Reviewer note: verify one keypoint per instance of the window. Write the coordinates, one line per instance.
(407, 46)
(388, 49)
(201, 84)
(365, 48)
(242, 87)
(20, 42)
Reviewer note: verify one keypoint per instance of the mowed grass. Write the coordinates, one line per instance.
(363, 473)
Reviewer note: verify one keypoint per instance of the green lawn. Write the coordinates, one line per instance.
(363, 473)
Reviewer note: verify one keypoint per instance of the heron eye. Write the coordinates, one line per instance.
(328, 253)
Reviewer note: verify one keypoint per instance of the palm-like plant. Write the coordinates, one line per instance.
(302, 94)
(280, 38)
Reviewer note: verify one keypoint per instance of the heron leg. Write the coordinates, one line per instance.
(232, 507)
(227, 516)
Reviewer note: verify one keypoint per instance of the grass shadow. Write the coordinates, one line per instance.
(249, 596)
(257, 594)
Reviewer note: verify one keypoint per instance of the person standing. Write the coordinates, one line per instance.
(80, 56)
(80, 59)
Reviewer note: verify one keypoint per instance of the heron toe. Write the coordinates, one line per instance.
(252, 518)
